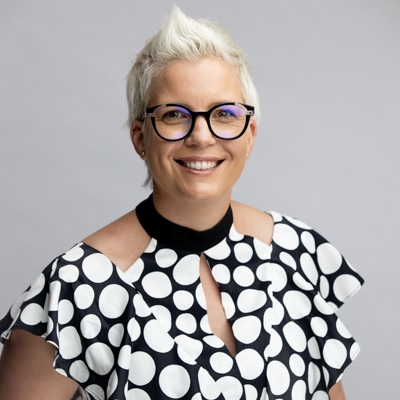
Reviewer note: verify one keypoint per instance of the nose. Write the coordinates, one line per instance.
(201, 134)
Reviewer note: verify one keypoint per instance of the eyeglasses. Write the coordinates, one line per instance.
(226, 121)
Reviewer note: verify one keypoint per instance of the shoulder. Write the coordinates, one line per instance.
(122, 241)
(253, 222)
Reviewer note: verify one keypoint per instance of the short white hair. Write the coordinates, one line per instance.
(183, 38)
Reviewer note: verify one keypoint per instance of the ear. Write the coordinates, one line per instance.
(137, 138)
(251, 137)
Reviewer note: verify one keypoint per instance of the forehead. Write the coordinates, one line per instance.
(198, 84)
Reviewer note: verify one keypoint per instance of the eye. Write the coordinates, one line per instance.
(226, 113)
(172, 115)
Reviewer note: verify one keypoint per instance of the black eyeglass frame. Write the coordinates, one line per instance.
(249, 113)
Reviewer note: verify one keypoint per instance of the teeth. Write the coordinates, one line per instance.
(200, 165)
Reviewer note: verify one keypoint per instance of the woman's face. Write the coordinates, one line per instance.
(200, 167)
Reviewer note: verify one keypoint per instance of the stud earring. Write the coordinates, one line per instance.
(142, 153)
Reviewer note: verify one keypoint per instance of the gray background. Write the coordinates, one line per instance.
(327, 149)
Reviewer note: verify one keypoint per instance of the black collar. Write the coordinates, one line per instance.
(177, 236)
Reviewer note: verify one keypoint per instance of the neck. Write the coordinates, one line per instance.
(199, 215)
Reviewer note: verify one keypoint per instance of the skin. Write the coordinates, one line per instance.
(196, 199)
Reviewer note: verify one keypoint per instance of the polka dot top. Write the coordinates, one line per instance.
(144, 333)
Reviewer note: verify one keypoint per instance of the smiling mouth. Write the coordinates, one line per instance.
(199, 165)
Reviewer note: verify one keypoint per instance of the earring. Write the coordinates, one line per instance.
(142, 153)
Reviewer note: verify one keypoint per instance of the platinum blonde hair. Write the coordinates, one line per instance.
(183, 38)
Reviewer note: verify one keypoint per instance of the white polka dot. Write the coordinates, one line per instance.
(189, 349)
(301, 283)
(140, 306)
(200, 297)
(228, 304)
(286, 237)
(115, 334)
(69, 273)
(250, 300)
(278, 377)
(165, 258)
(297, 365)
(297, 304)
(214, 341)
(186, 271)
(75, 253)
(319, 326)
(84, 296)
(231, 387)
(313, 348)
(243, 252)
(90, 326)
(342, 329)
(320, 395)
(251, 393)
(112, 384)
(247, 329)
(36, 287)
(250, 363)
(262, 250)
(235, 235)
(335, 353)
(54, 290)
(134, 272)
(174, 381)
(186, 323)
(32, 314)
(344, 286)
(137, 394)
(309, 268)
(274, 273)
(329, 258)
(97, 267)
(354, 351)
(288, 260)
(163, 316)
(205, 325)
(221, 362)
(96, 391)
(275, 344)
(208, 386)
(243, 276)
(142, 369)
(308, 241)
(298, 223)
(69, 343)
(324, 286)
(133, 329)
(322, 306)
(275, 314)
(124, 357)
(221, 273)
(99, 358)
(79, 371)
(220, 251)
(113, 300)
(157, 284)
(183, 300)
(65, 311)
(151, 247)
(295, 336)
(156, 338)
(314, 376)
(299, 390)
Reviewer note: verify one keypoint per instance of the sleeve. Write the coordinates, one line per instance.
(79, 304)
(320, 280)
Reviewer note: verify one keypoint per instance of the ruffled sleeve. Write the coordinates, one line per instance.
(319, 281)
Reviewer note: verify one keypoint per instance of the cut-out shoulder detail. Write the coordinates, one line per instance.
(122, 241)
(253, 222)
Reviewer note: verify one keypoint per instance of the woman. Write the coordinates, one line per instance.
(191, 295)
